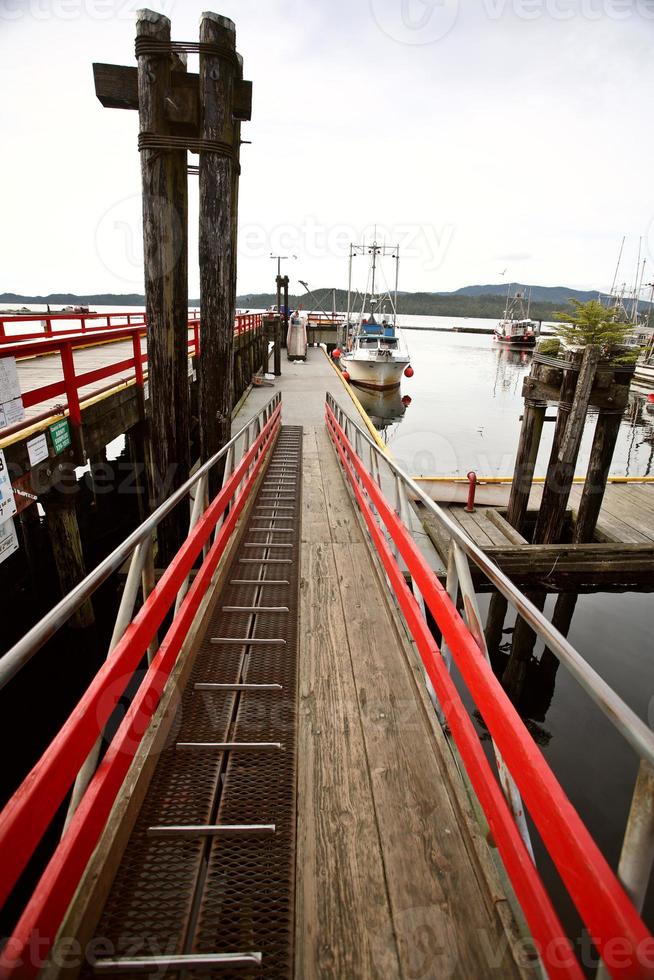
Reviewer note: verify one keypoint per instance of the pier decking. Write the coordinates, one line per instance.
(375, 836)
(281, 795)
(620, 557)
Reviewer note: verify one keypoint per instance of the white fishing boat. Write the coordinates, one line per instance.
(516, 328)
(376, 354)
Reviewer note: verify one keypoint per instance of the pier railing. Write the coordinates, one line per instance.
(40, 325)
(609, 905)
(71, 758)
(126, 369)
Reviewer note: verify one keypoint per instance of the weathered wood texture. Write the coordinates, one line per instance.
(165, 245)
(530, 434)
(216, 244)
(393, 875)
(607, 428)
(66, 542)
(565, 450)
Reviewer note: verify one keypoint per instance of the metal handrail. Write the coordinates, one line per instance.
(627, 722)
(590, 882)
(22, 651)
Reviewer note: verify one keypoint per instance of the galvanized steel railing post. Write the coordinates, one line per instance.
(123, 619)
(472, 618)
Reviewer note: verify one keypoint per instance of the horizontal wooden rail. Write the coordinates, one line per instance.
(30, 811)
(598, 895)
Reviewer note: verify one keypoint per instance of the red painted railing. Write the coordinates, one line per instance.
(617, 931)
(28, 814)
(129, 368)
(53, 324)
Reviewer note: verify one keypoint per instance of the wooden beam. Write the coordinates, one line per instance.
(116, 86)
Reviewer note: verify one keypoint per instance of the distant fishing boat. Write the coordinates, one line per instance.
(377, 355)
(516, 328)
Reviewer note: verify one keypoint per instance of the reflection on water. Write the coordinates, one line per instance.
(467, 403)
(385, 408)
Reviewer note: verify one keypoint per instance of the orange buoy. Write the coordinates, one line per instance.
(406, 401)
(650, 397)
(336, 353)
(346, 376)
(409, 372)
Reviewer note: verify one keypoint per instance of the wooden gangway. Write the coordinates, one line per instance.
(302, 767)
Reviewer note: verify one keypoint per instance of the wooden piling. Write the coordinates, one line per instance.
(523, 476)
(66, 542)
(607, 428)
(565, 449)
(165, 244)
(217, 263)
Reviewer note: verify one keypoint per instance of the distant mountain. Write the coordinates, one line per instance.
(539, 294)
(469, 301)
(75, 299)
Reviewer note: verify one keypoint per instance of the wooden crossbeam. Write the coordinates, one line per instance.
(116, 86)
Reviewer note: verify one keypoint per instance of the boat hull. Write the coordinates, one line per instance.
(375, 374)
(515, 341)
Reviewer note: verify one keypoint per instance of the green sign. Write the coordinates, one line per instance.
(60, 435)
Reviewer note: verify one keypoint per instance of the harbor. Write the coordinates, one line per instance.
(328, 646)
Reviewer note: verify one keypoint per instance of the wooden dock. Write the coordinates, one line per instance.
(393, 870)
(621, 556)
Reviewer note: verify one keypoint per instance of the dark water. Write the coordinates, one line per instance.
(464, 414)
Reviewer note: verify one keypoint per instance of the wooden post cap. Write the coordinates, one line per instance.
(218, 19)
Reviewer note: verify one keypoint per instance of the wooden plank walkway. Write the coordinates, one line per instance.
(620, 558)
(626, 517)
(394, 877)
(33, 372)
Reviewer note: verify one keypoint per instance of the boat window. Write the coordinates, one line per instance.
(389, 342)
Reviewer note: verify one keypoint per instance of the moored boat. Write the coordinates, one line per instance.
(516, 328)
(377, 355)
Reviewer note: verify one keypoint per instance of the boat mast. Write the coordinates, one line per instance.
(374, 261)
(634, 306)
(506, 308)
(397, 276)
(617, 269)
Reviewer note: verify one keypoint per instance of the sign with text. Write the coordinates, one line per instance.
(8, 539)
(11, 403)
(37, 449)
(7, 501)
(60, 435)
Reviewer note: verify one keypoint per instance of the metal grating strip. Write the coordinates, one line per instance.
(216, 894)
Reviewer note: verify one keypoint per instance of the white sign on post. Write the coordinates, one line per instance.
(37, 449)
(7, 501)
(8, 539)
(11, 403)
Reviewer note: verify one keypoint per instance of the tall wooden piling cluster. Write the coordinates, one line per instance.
(576, 385)
(178, 112)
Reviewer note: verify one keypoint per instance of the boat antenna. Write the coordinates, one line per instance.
(617, 269)
(374, 249)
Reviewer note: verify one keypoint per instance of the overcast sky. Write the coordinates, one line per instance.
(484, 135)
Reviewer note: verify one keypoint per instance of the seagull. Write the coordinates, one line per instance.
(504, 272)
